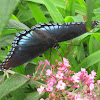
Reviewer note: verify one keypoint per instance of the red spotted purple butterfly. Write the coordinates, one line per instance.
(31, 43)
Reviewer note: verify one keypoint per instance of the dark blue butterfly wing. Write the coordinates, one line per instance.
(26, 46)
(67, 31)
(31, 43)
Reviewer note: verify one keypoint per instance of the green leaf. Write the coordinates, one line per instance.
(18, 94)
(96, 11)
(8, 31)
(37, 13)
(13, 17)
(6, 8)
(33, 96)
(70, 7)
(80, 9)
(19, 69)
(90, 7)
(82, 3)
(98, 72)
(55, 14)
(30, 69)
(24, 14)
(58, 3)
(78, 18)
(80, 52)
(16, 25)
(68, 19)
(89, 61)
(2, 77)
(97, 36)
(54, 55)
(6, 40)
(90, 45)
(72, 59)
(12, 83)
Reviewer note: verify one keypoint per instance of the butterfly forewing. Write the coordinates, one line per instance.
(24, 49)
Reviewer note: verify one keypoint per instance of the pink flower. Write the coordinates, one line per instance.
(53, 66)
(48, 62)
(41, 62)
(98, 82)
(40, 89)
(53, 80)
(49, 88)
(47, 99)
(61, 68)
(78, 97)
(76, 86)
(75, 78)
(50, 83)
(85, 98)
(93, 73)
(59, 63)
(91, 86)
(65, 62)
(29, 76)
(61, 85)
(56, 60)
(48, 72)
(83, 70)
(59, 75)
(41, 99)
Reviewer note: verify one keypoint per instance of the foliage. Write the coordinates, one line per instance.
(20, 15)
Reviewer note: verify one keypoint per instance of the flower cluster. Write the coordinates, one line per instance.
(64, 84)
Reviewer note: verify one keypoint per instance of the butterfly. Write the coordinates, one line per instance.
(31, 43)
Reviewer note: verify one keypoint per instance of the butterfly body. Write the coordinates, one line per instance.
(31, 43)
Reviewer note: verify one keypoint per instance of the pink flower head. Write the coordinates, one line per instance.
(29, 76)
(93, 73)
(40, 89)
(78, 97)
(41, 62)
(41, 99)
(91, 86)
(49, 88)
(61, 68)
(53, 66)
(50, 83)
(56, 60)
(85, 98)
(76, 86)
(48, 62)
(59, 75)
(47, 99)
(60, 63)
(76, 78)
(83, 70)
(61, 85)
(48, 72)
(65, 62)
(98, 82)
(53, 80)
